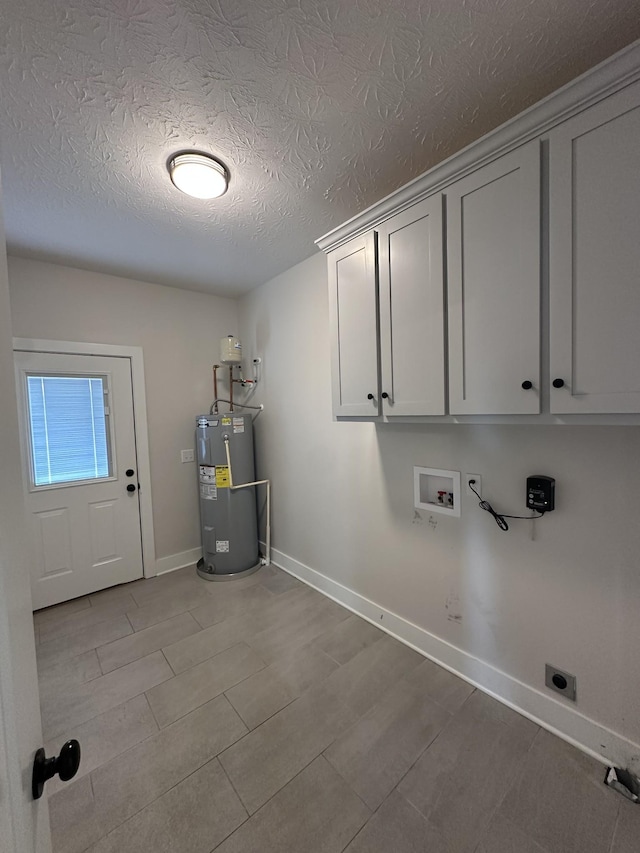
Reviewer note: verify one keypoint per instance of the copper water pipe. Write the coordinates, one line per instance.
(215, 386)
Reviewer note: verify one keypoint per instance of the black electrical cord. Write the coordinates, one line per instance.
(500, 519)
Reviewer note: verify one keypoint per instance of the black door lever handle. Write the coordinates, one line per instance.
(65, 765)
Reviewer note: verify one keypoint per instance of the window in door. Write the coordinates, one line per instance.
(69, 431)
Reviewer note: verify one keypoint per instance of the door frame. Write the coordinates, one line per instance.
(135, 355)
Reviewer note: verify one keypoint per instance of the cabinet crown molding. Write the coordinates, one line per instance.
(604, 79)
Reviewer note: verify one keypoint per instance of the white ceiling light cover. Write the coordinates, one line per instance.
(199, 175)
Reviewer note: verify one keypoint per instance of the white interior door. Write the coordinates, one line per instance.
(80, 473)
(24, 824)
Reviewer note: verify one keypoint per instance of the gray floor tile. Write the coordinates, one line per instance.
(560, 801)
(350, 637)
(627, 834)
(106, 736)
(315, 813)
(361, 682)
(301, 668)
(281, 582)
(484, 707)
(88, 617)
(164, 606)
(503, 837)
(459, 820)
(271, 755)
(148, 590)
(193, 688)
(114, 595)
(259, 697)
(145, 772)
(75, 820)
(225, 601)
(474, 761)
(446, 689)
(211, 641)
(193, 817)
(60, 611)
(397, 828)
(142, 643)
(376, 752)
(490, 782)
(301, 626)
(270, 690)
(81, 641)
(85, 701)
(55, 676)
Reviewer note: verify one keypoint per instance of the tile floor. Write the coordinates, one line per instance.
(257, 716)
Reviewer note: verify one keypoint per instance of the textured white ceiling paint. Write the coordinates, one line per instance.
(318, 108)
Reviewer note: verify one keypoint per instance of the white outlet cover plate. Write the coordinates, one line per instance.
(186, 455)
(477, 485)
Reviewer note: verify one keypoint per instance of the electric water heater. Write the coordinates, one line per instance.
(228, 516)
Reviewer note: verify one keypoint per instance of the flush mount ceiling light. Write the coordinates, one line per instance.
(199, 175)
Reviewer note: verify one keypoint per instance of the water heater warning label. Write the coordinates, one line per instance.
(208, 492)
(222, 476)
(207, 474)
(222, 546)
(238, 425)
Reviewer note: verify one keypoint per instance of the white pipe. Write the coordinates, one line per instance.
(267, 560)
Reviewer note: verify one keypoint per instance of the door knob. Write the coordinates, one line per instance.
(131, 487)
(558, 383)
(129, 472)
(527, 384)
(65, 765)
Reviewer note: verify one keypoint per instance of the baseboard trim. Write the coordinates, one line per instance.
(582, 732)
(173, 562)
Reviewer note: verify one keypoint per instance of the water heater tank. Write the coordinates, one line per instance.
(228, 517)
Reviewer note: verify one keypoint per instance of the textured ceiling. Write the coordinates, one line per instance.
(319, 109)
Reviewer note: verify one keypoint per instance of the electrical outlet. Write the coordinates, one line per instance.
(186, 456)
(560, 681)
(477, 485)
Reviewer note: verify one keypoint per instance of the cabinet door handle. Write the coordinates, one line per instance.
(558, 383)
(369, 396)
(384, 395)
(527, 385)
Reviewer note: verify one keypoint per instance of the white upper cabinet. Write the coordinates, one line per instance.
(412, 311)
(493, 256)
(594, 241)
(353, 313)
(437, 307)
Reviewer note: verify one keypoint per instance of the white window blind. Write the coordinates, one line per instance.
(68, 428)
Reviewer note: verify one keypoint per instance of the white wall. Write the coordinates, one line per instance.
(179, 332)
(343, 506)
(24, 824)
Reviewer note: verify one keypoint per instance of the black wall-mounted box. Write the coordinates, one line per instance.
(541, 493)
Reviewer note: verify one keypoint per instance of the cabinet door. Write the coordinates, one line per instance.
(353, 316)
(594, 163)
(412, 311)
(493, 241)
